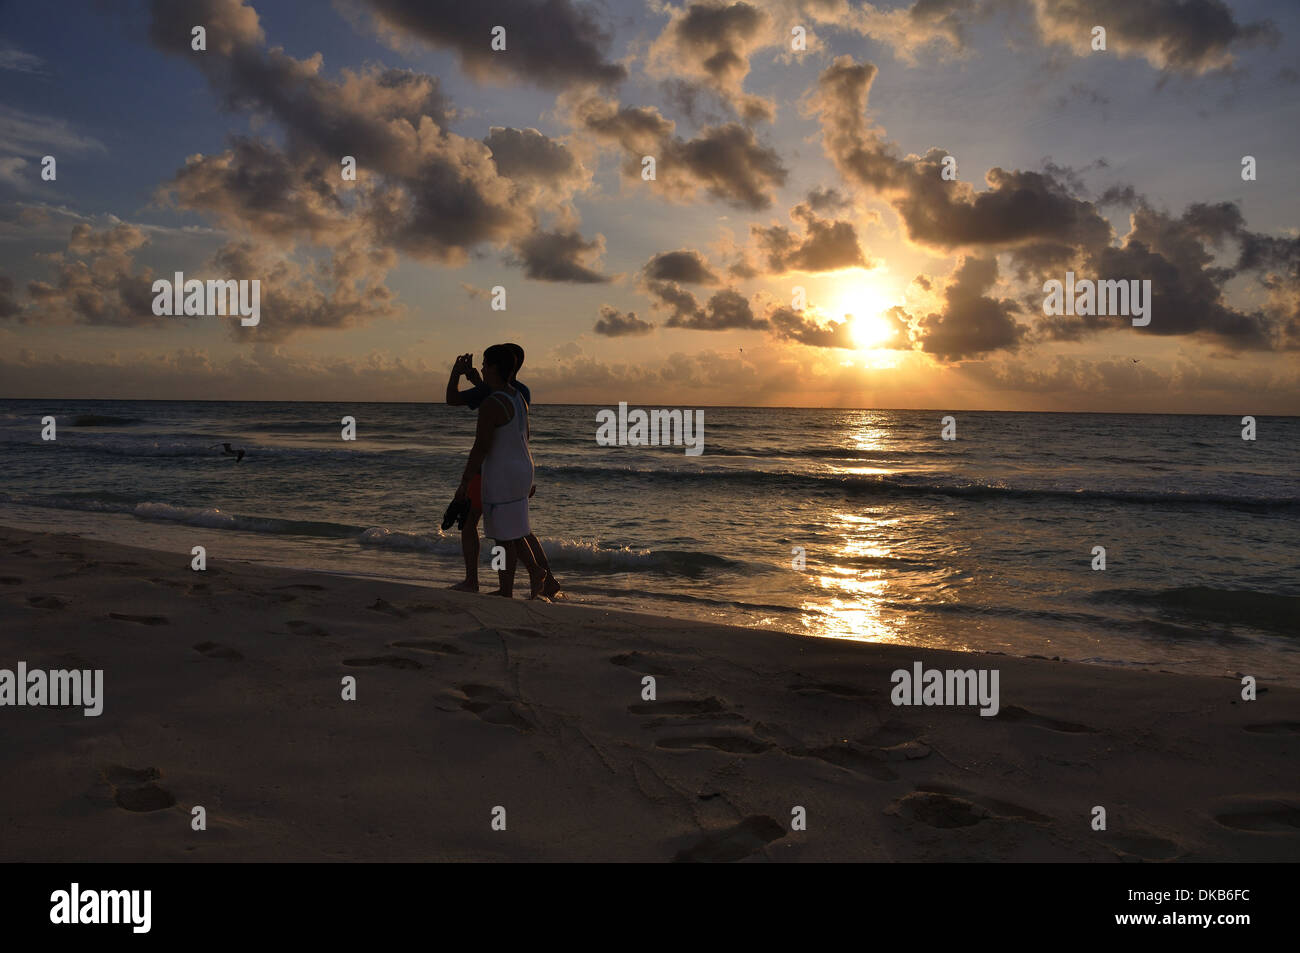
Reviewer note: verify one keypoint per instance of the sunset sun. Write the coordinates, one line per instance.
(864, 307)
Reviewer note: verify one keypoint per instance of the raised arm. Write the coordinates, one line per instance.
(454, 397)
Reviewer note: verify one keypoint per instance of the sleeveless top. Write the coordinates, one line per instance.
(508, 467)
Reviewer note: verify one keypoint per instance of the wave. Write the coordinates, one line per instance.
(898, 485)
(210, 447)
(1268, 611)
(587, 555)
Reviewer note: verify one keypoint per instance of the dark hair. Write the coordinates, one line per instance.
(502, 358)
(519, 355)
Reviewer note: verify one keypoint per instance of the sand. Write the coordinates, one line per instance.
(223, 690)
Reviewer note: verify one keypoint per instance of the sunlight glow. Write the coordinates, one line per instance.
(864, 305)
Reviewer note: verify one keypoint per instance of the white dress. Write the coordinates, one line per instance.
(508, 474)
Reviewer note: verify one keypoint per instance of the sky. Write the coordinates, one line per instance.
(767, 203)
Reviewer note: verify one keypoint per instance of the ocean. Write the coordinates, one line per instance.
(848, 524)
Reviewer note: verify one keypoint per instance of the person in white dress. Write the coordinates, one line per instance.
(501, 455)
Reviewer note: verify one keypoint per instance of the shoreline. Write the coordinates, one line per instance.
(222, 689)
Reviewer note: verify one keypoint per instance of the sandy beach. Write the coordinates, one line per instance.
(223, 689)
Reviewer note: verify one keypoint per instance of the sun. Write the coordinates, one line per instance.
(864, 306)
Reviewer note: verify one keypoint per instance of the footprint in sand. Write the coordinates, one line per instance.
(303, 627)
(389, 661)
(427, 645)
(735, 843)
(387, 607)
(47, 602)
(850, 758)
(1259, 815)
(139, 619)
(1015, 713)
(493, 706)
(996, 807)
(213, 650)
(938, 810)
(134, 788)
(680, 713)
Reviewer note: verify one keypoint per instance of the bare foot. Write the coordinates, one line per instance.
(465, 586)
(539, 597)
(502, 592)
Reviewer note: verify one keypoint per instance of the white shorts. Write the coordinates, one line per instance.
(506, 521)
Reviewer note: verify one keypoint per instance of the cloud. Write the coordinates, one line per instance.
(95, 282)
(971, 323)
(906, 30)
(725, 310)
(1178, 36)
(1177, 254)
(824, 245)
(19, 61)
(708, 44)
(615, 324)
(788, 323)
(560, 256)
(1017, 207)
(553, 43)
(725, 161)
(345, 291)
(687, 266)
(420, 189)
(35, 135)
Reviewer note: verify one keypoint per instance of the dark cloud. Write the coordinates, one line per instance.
(823, 245)
(971, 323)
(420, 189)
(727, 161)
(95, 282)
(725, 310)
(616, 324)
(1016, 208)
(523, 154)
(790, 324)
(554, 43)
(347, 290)
(1181, 36)
(827, 200)
(560, 256)
(709, 44)
(1179, 255)
(257, 186)
(686, 266)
